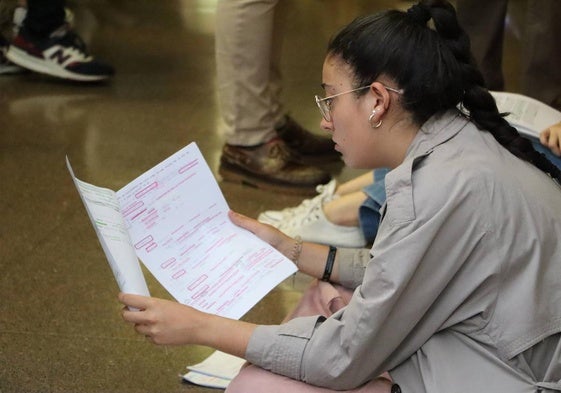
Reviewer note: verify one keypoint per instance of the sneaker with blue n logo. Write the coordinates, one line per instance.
(63, 54)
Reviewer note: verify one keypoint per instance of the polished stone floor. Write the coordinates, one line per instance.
(60, 327)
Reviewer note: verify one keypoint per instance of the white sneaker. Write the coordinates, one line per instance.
(315, 227)
(277, 217)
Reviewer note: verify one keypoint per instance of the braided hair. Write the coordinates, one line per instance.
(434, 67)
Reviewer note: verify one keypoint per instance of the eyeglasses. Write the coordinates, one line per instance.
(324, 104)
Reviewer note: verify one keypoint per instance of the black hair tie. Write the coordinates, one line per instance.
(419, 13)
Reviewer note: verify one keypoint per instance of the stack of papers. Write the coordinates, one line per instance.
(216, 371)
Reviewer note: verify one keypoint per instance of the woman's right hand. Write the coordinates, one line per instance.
(166, 322)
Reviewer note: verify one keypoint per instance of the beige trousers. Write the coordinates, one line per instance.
(248, 47)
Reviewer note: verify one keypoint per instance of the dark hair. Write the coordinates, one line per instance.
(434, 67)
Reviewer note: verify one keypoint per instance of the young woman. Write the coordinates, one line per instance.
(461, 290)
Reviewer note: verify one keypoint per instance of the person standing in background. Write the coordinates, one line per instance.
(46, 43)
(540, 58)
(264, 147)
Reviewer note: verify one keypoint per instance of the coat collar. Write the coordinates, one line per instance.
(399, 188)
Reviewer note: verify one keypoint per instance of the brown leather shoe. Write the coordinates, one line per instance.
(270, 166)
(307, 146)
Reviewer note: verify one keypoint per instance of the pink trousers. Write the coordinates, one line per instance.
(321, 298)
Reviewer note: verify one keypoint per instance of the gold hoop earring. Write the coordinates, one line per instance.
(371, 117)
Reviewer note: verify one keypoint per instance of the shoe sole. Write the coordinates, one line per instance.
(21, 58)
(234, 175)
(11, 70)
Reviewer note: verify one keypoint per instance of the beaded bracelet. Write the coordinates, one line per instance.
(296, 250)
(329, 263)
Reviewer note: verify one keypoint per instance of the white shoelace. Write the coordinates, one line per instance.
(326, 193)
(296, 222)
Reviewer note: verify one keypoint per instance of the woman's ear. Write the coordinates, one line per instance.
(381, 94)
(379, 102)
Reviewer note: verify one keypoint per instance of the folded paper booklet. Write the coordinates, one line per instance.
(174, 218)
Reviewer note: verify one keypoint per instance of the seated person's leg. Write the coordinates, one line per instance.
(329, 218)
(321, 298)
(369, 211)
(355, 184)
(344, 210)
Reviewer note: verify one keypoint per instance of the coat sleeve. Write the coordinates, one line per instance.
(352, 265)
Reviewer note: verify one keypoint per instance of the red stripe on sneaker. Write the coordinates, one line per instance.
(27, 46)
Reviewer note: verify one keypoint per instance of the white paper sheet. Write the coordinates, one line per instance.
(219, 364)
(206, 380)
(176, 217)
(528, 115)
(102, 207)
(215, 371)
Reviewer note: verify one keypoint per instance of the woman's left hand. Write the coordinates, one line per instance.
(265, 232)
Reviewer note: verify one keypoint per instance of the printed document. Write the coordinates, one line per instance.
(174, 218)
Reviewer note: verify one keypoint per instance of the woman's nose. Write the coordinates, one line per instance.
(326, 125)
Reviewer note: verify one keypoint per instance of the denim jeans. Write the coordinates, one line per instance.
(369, 211)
